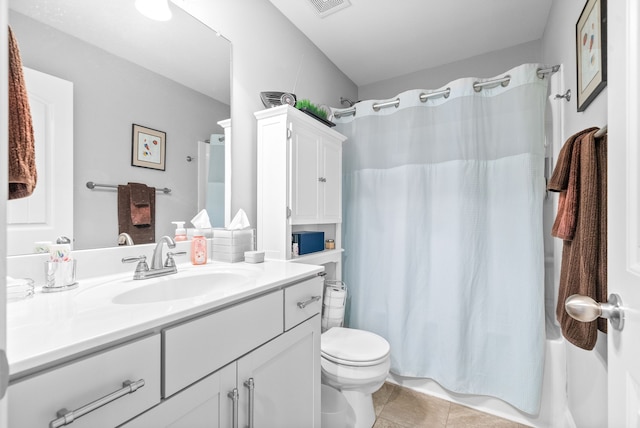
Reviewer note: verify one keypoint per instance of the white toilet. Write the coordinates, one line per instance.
(355, 362)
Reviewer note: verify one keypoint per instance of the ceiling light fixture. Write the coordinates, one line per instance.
(157, 10)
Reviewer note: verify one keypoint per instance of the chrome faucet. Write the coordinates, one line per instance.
(125, 239)
(156, 260)
(157, 267)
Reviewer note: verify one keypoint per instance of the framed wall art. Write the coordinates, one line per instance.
(591, 52)
(148, 147)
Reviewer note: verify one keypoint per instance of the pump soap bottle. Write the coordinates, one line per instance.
(181, 232)
(198, 248)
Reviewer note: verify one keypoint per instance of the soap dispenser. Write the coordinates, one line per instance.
(181, 232)
(198, 248)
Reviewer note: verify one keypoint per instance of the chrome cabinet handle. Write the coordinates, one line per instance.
(234, 414)
(585, 309)
(250, 384)
(304, 304)
(65, 417)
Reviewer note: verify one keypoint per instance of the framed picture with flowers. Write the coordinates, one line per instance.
(591, 52)
(148, 147)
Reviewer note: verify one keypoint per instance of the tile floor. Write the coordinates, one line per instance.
(398, 407)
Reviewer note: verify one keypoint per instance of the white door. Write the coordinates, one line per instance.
(624, 209)
(47, 213)
(282, 378)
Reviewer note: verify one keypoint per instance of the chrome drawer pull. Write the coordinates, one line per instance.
(234, 414)
(65, 417)
(251, 385)
(304, 304)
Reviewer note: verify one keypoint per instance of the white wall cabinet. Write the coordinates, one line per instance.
(299, 183)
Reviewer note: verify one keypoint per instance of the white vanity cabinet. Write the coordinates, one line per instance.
(255, 364)
(299, 183)
(96, 380)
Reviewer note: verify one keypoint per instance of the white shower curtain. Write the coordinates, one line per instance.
(443, 232)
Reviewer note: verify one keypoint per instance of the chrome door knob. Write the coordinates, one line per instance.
(585, 309)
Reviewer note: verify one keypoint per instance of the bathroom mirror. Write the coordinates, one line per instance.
(126, 69)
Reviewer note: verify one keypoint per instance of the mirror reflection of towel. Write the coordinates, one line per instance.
(140, 204)
(22, 153)
(142, 233)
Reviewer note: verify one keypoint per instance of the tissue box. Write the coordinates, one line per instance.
(308, 241)
(230, 245)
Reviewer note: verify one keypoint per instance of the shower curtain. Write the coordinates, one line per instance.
(442, 227)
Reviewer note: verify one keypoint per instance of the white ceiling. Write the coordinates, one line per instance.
(375, 40)
(181, 49)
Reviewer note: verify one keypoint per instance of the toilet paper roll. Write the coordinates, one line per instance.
(327, 323)
(333, 312)
(334, 296)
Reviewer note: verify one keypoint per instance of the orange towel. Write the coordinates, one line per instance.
(22, 154)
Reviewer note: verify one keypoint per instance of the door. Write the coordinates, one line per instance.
(305, 175)
(4, 154)
(624, 209)
(45, 214)
(331, 167)
(204, 404)
(279, 383)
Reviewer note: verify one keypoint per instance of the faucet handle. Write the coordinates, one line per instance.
(141, 267)
(170, 262)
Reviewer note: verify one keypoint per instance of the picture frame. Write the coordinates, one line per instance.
(148, 147)
(591, 52)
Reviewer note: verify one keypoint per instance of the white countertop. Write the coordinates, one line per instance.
(52, 327)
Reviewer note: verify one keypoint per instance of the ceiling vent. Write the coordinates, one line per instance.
(327, 7)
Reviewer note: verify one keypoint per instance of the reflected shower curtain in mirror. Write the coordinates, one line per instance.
(442, 227)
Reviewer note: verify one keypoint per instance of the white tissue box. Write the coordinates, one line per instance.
(230, 245)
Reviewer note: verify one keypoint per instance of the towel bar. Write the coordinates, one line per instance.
(91, 185)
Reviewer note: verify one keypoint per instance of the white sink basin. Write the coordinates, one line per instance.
(175, 287)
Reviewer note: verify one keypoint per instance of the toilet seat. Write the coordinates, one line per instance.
(353, 347)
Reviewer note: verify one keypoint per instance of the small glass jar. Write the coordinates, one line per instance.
(330, 244)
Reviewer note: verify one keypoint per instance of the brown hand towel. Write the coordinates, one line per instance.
(565, 180)
(140, 204)
(143, 234)
(22, 153)
(584, 259)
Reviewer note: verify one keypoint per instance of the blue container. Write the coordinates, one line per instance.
(308, 241)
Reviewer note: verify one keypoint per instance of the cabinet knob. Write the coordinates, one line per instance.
(322, 180)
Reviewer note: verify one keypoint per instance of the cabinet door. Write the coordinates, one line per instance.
(304, 175)
(286, 380)
(205, 404)
(331, 191)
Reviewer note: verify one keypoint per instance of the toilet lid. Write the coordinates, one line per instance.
(353, 347)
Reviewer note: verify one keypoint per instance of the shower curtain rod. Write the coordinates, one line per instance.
(477, 86)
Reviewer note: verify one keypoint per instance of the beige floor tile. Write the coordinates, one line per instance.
(412, 409)
(381, 396)
(384, 423)
(463, 417)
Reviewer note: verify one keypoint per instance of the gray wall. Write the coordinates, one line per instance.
(481, 66)
(103, 116)
(268, 51)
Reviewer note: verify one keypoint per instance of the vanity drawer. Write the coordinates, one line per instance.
(302, 301)
(34, 401)
(196, 348)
